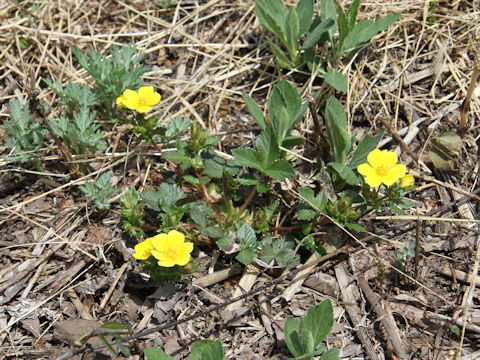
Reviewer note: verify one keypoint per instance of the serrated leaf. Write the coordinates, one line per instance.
(280, 170)
(336, 80)
(247, 179)
(177, 126)
(317, 202)
(246, 235)
(246, 256)
(248, 157)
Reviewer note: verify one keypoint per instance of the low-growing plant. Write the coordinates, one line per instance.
(100, 191)
(112, 75)
(132, 213)
(405, 255)
(292, 24)
(80, 133)
(284, 110)
(25, 136)
(303, 336)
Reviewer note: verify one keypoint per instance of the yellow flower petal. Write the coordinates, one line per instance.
(119, 100)
(171, 249)
(374, 158)
(143, 109)
(396, 172)
(382, 168)
(365, 169)
(389, 158)
(143, 250)
(407, 180)
(131, 99)
(373, 181)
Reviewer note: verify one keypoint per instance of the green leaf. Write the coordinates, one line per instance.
(283, 59)
(177, 126)
(106, 343)
(319, 321)
(327, 7)
(248, 157)
(336, 80)
(291, 141)
(152, 353)
(267, 147)
(343, 29)
(317, 202)
(255, 111)
(332, 354)
(246, 256)
(263, 187)
(207, 350)
(115, 326)
(247, 179)
(352, 13)
(246, 234)
(336, 124)
(272, 14)
(365, 30)
(280, 170)
(345, 172)
(367, 145)
(316, 34)
(291, 33)
(286, 95)
(291, 330)
(305, 15)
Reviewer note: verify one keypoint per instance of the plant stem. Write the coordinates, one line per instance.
(245, 204)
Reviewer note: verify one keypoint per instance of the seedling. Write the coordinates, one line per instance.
(99, 191)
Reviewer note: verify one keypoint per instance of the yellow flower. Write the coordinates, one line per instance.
(407, 180)
(142, 101)
(382, 168)
(143, 249)
(171, 249)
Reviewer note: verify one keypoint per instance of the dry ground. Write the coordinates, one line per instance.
(58, 263)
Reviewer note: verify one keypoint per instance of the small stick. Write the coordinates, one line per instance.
(466, 102)
(109, 293)
(388, 323)
(399, 139)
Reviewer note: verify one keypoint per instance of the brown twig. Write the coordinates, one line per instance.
(466, 102)
(397, 137)
(388, 322)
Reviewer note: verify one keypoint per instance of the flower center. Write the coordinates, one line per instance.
(142, 102)
(382, 171)
(171, 253)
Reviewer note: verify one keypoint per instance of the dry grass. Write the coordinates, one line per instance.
(58, 263)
